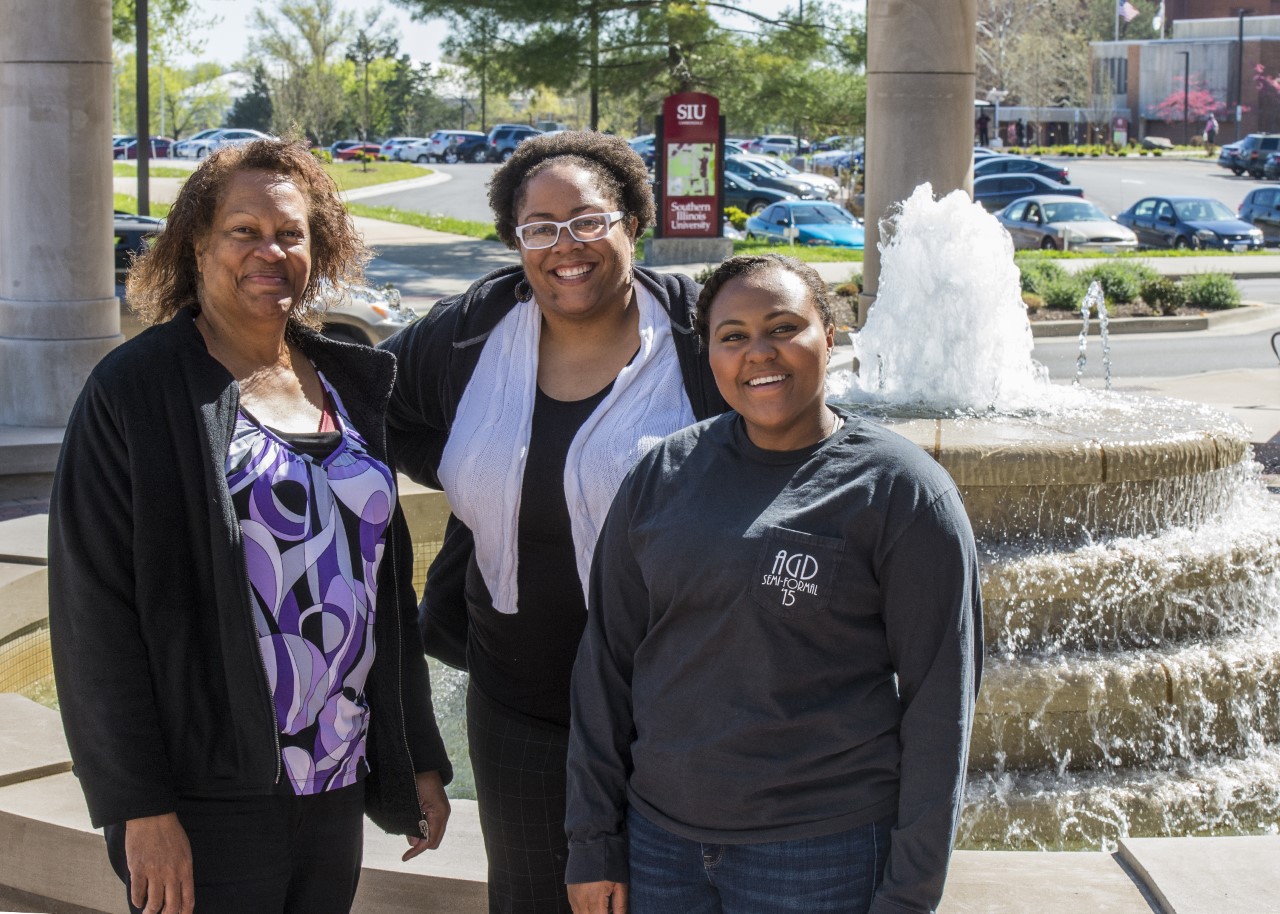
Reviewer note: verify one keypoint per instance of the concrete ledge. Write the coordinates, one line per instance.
(1208, 875)
(1015, 882)
(51, 854)
(1123, 325)
(25, 540)
(32, 745)
(26, 451)
(674, 251)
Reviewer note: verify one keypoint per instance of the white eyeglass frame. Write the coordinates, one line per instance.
(611, 219)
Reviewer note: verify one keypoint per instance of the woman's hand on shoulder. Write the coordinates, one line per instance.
(158, 855)
(598, 897)
(435, 809)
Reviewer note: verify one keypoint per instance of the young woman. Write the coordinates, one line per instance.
(527, 399)
(772, 701)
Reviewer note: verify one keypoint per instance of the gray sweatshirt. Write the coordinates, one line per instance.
(779, 645)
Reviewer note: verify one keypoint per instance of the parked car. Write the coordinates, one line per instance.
(504, 138)
(644, 146)
(232, 136)
(1249, 154)
(764, 177)
(780, 144)
(161, 148)
(374, 150)
(442, 146)
(338, 145)
(391, 146)
(1189, 222)
(995, 192)
(1059, 222)
(1261, 209)
(185, 149)
(132, 233)
(824, 185)
(748, 197)
(812, 222)
(847, 143)
(1020, 165)
(364, 314)
(472, 149)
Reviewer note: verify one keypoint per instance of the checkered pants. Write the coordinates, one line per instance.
(519, 767)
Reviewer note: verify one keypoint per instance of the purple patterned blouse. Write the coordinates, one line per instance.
(314, 533)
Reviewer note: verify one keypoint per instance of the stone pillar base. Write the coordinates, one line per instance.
(40, 379)
(662, 252)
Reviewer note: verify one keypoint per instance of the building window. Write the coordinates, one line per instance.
(1113, 71)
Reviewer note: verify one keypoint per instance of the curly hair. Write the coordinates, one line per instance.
(735, 267)
(165, 278)
(617, 167)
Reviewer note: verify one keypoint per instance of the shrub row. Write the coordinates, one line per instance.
(1047, 284)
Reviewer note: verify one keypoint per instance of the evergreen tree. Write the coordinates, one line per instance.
(253, 109)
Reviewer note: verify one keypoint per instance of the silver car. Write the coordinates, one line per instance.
(364, 314)
(1055, 222)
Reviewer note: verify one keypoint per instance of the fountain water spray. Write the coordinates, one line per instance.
(1131, 575)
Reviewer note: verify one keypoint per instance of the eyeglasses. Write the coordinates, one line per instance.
(588, 228)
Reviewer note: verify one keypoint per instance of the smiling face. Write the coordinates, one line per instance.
(255, 261)
(575, 280)
(769, 349)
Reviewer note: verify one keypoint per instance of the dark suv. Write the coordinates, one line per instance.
(1249, 154)
(504, 138)
(1261, 208)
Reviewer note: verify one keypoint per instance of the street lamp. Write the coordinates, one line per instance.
(1186, 88)
(1241, 12)
(995, 96)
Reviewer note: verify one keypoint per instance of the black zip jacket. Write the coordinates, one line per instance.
(160, 678)
(438, 355)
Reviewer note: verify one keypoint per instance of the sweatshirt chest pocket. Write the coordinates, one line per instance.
(795, 572)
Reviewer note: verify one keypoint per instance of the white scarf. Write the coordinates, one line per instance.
(482, 468)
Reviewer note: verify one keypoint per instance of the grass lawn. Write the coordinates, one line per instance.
(129, 204)
(805, 252)
(127, 170)
(350, 175)
(481, 230)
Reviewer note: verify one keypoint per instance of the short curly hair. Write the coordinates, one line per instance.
(619, 169)
(745, 265)
(165, 278)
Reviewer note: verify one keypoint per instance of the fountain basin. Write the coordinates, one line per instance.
(1121, 466)
(1134, 708)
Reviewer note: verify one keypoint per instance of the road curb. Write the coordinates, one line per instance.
(1122, 325)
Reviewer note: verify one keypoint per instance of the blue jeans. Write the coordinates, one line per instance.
(833, 874)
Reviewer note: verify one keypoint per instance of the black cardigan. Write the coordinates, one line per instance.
(160, 678)
(438, 355)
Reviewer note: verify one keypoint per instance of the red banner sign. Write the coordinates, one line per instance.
(689, 191)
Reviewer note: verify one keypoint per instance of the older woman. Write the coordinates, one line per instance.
(779, 719)
(527, 398)
(230, 600)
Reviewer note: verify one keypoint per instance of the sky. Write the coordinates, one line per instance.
(227, 41)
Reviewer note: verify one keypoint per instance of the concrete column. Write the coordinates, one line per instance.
(58, 310)
(920, 85)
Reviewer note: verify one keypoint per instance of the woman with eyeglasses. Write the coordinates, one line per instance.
(527, 399)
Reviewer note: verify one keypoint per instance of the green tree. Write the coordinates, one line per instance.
(374, 41)
(253, 109)
(303, 39)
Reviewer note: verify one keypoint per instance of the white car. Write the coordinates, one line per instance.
(231, 136)
(391, 148)
(185, 149)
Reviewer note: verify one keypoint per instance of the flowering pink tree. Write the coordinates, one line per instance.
(1200, 102)
(1264, 82)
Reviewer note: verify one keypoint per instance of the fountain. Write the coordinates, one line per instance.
(1131, 560)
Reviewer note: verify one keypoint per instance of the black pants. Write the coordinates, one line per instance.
(268, 854)
(519, 767)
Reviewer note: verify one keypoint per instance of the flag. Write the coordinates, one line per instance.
(1126, 10)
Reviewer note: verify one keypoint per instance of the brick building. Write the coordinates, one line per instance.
(1135, 76)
